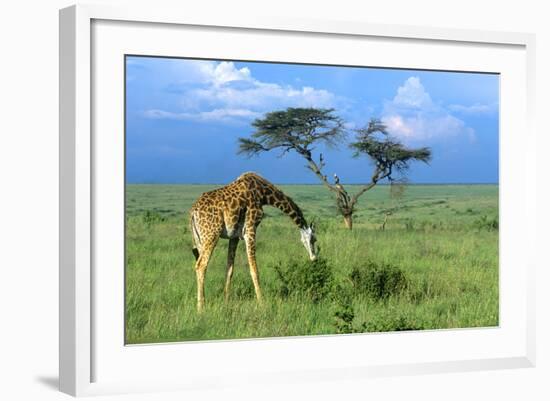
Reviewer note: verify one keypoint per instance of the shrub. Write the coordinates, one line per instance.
(306, 279)
(152, 217)
(344, 314)
(378, 281)
(391, 322)
(486, 223)
(409, 225)
(343, 322)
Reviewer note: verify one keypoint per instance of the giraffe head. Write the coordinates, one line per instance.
(308, 239)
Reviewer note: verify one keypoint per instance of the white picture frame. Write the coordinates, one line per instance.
(82, 344)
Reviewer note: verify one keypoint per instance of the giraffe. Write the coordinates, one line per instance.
(234, 212)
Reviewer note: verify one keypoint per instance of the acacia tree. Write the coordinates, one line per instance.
(390, 158)
(300, 129)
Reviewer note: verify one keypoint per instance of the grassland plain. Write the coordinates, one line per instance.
(434, 266)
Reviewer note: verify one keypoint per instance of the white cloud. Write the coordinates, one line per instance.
(225, 91)
(475, 109)
(412, 95)
(264, 96)
(227, 115)
(397, 126)
(413, 116)
(217, 74)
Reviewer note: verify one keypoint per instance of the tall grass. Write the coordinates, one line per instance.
(434, 266)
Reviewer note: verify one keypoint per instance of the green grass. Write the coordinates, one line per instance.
(442, 240)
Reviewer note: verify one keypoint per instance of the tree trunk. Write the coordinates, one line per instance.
(348, 221)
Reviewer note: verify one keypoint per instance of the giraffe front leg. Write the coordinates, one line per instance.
(231, 250)
(250, 241)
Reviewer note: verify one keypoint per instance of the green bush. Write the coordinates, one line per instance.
(152, 217)
(409, 224)
(344, 314)
(391, 322)
(346, 322)
(378, 281)
(486, 223)
(312, 280)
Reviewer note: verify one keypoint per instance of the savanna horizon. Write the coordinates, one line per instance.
(435, 262)
(389, 257)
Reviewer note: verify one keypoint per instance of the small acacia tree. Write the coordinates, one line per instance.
(389, 156)
(397, 192)
(300, 129)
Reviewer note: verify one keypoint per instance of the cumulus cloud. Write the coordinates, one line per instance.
(412, 95)
(413, 116)
(220, 73)
(220, 91)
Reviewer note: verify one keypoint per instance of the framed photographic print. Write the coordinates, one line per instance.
(290, 199)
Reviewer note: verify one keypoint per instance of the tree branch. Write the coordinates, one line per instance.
(317, 170)
(377, 176)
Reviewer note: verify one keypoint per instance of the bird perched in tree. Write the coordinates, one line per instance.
(337, 183)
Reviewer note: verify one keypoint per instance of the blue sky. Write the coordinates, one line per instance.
(183, 118)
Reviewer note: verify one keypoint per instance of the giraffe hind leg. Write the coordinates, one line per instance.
(231, 249)
(200, 268)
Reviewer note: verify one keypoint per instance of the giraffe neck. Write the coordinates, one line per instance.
(276, 198)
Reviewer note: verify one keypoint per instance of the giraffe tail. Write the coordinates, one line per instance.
(195, 236)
